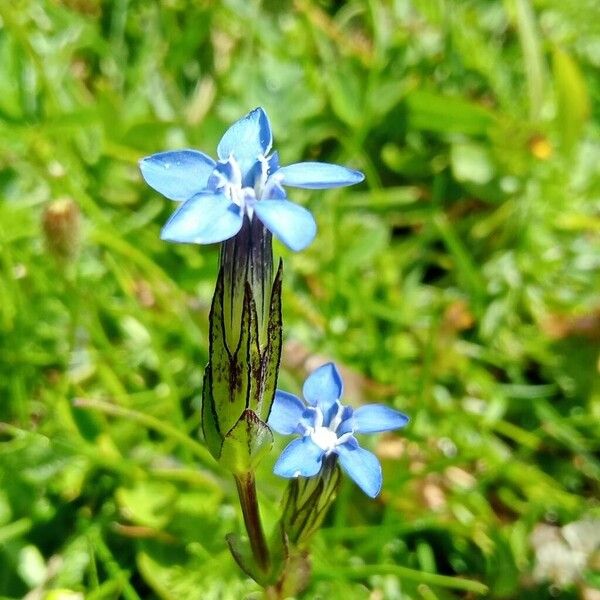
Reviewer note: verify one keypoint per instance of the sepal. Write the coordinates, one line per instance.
(246, 444)
(271, 355)
(226, 374)
(210, 422)
(239, 384)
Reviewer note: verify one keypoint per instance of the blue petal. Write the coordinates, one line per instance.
(317, 175)
(177, 175)
(273, 190)
(203, 219)
(300, 457)
(273, 162)
(246, 139)
(289, 222)
(377, 417)
(323, 387)
(362, 466)
(286, 413)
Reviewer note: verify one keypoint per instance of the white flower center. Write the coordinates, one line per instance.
(326, 439)
(232, 188)
(259, 184)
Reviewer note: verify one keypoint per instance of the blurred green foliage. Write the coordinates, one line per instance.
(459, 284)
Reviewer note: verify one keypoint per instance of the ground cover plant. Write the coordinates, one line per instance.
(458, 283)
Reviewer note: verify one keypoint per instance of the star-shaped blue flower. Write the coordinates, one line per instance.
(246, 180)
(327, 427)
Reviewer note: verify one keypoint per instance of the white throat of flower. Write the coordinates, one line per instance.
(261, 180)
(244, 197)
(327, 438)
(231, 187)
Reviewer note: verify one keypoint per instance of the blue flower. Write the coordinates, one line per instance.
(246, 180)
(327, 427)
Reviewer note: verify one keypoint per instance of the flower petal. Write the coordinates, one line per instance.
(377, 417)
(203, 219)
(318, 175)
(286, 413)
(247, 139)
(177, 175)
(323, 387)
(362, 466)
(300, 457)
(289, 222)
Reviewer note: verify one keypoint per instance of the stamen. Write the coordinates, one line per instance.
(318, 417)
(337, 419)
(261, 180)
(227, 179)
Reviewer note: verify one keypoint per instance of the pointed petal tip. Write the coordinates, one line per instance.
(286, 413)
(309, 237)
(260, 111)
(363, 467)
(375, 418)
(177, 174)
(323, 386)
(290, 223)
(301, 457)
(203, 219)
(247, 139)
(319, 175)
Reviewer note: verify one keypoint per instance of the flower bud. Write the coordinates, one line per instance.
(306, 502)
(244, 351)
(61, 224)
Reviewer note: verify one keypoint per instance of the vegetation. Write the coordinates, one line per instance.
(459, 284)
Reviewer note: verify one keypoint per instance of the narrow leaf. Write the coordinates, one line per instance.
(572, 98)
(242, 554)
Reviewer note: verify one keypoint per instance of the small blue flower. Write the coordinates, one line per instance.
(327, 427)
(246, 180)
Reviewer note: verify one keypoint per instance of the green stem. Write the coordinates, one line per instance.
(246, 487)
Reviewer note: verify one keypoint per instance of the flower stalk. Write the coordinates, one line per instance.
(246, 488)
(241, 377)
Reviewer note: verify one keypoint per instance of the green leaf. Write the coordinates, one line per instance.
(174, 573)
(471, 163)
(32, 567)
(447, 114)
(148, 503)
(571, 97)
(246, 444)
(345, 94)
(531, 45)
(242, 553)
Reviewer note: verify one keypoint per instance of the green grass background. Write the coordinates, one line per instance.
(459, 284)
